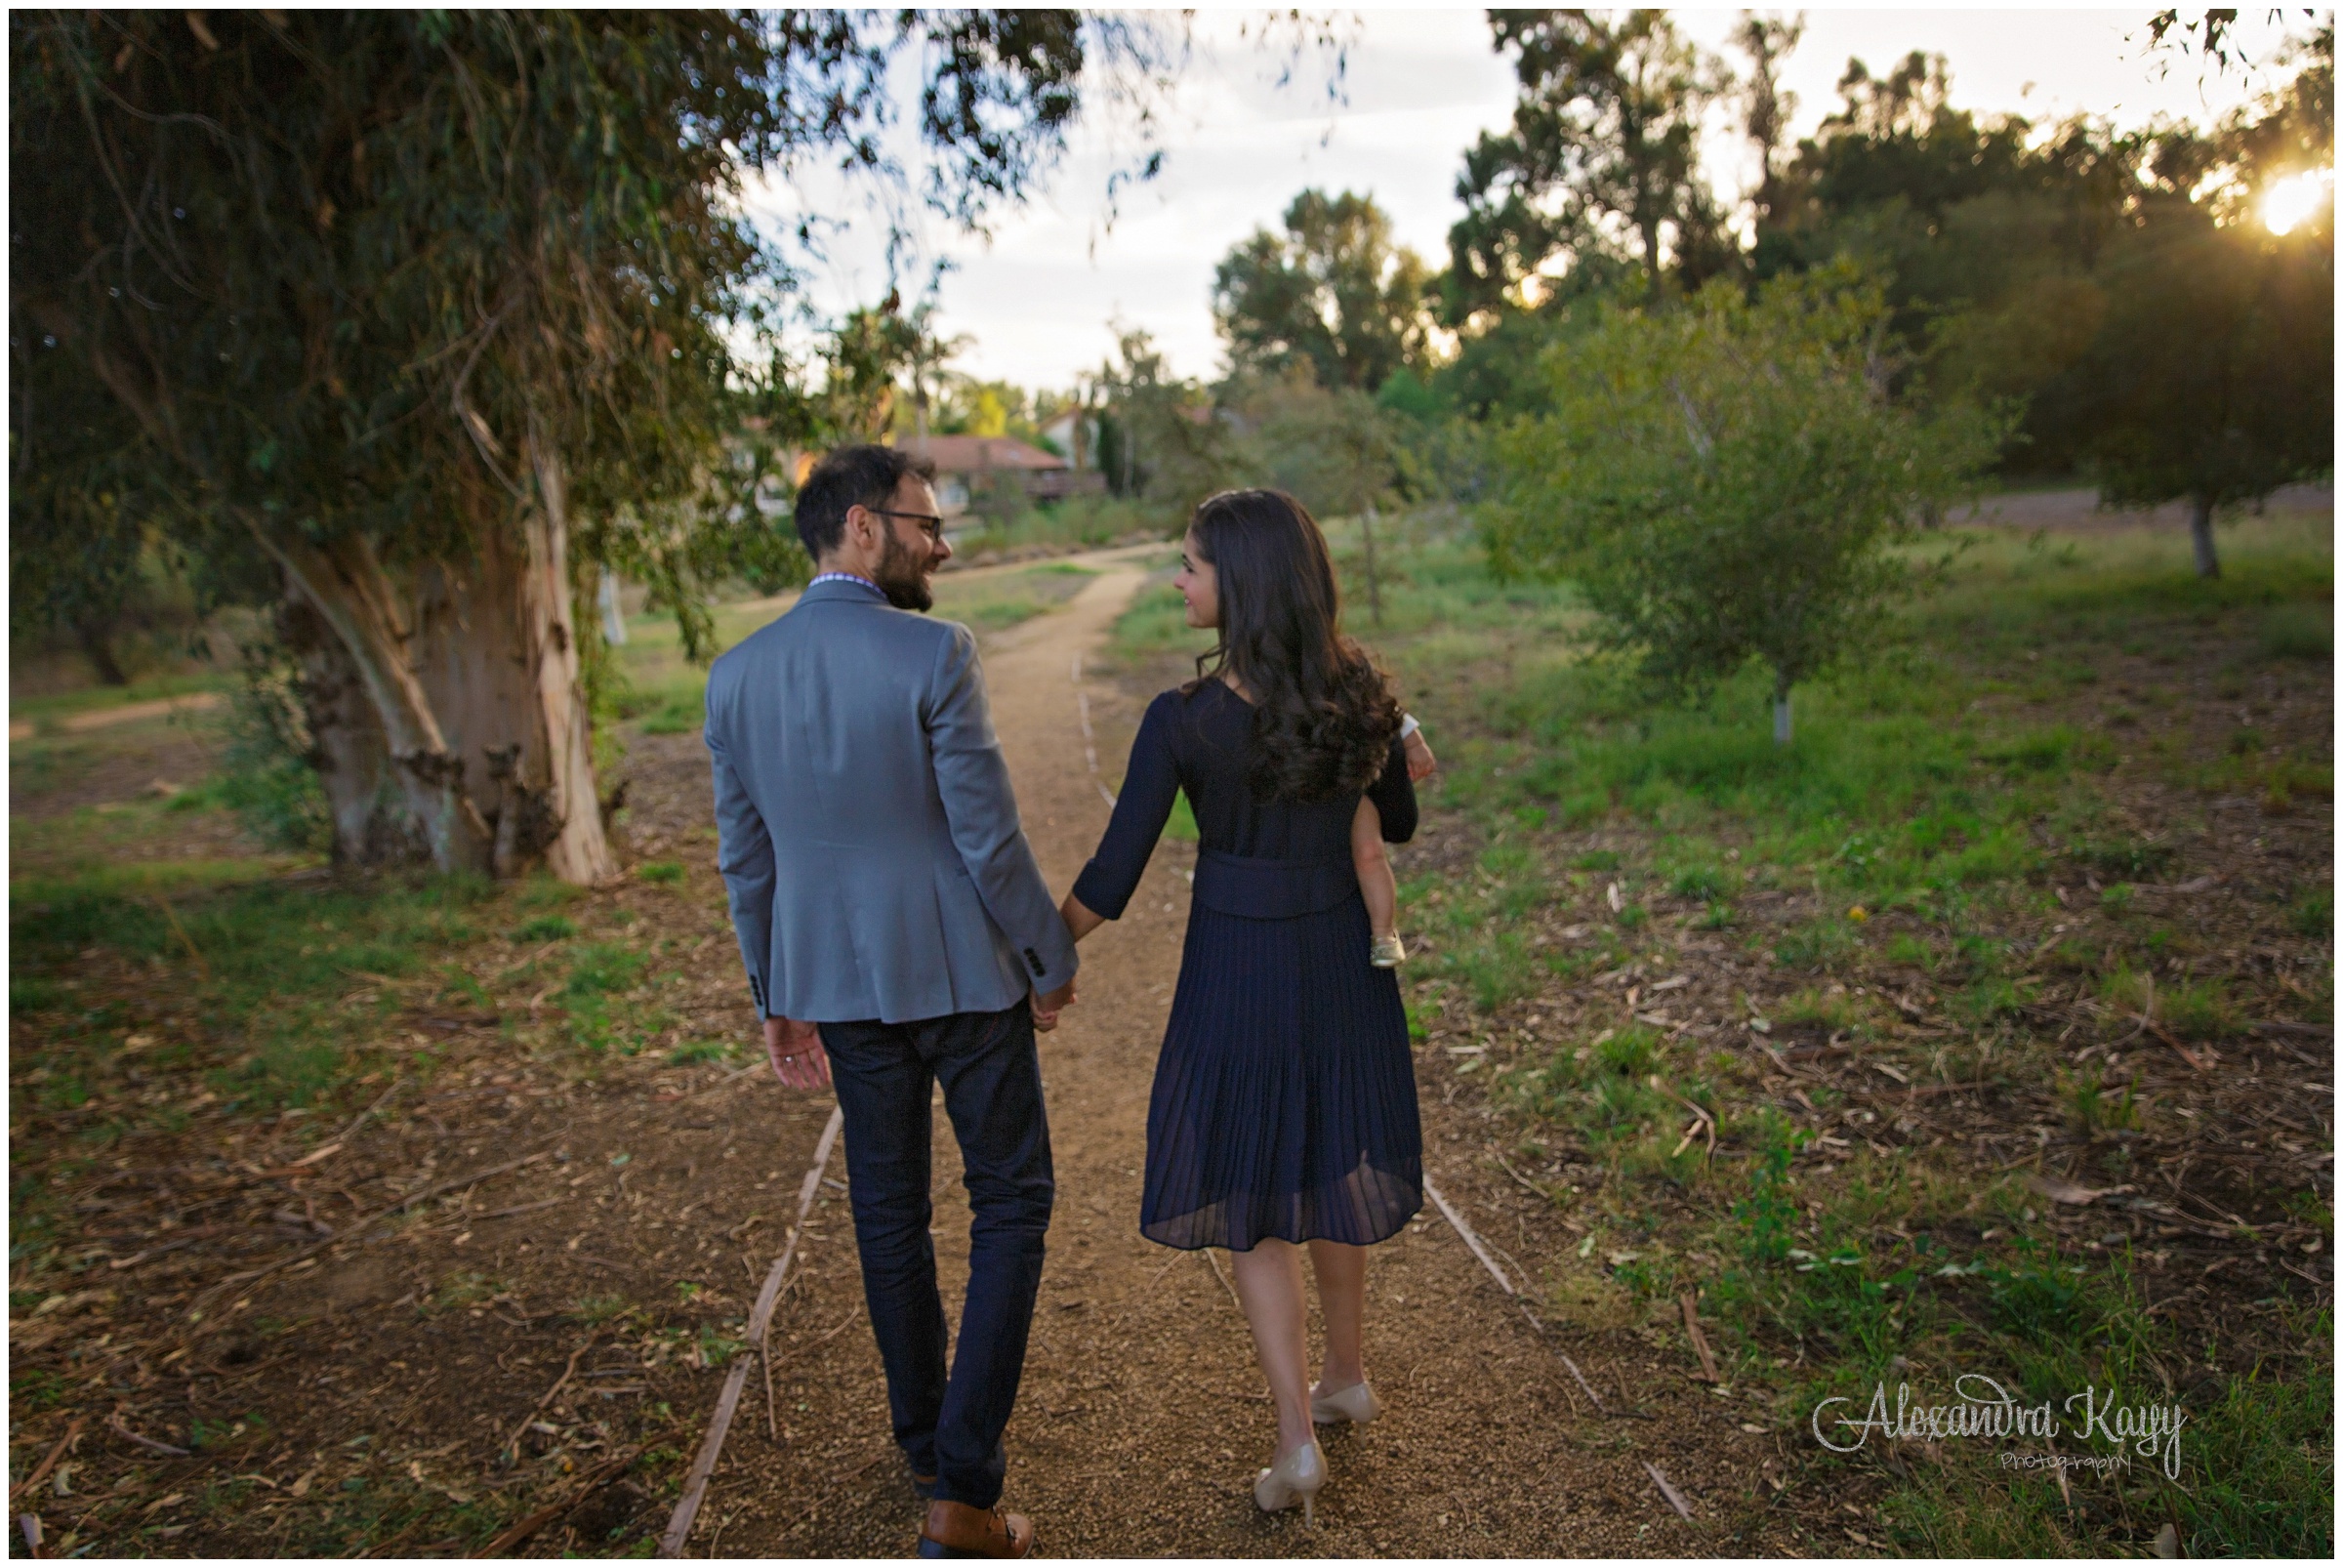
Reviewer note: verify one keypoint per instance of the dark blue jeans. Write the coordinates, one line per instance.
(992, 1081)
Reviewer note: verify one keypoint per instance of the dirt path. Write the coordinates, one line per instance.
(1142, 1418)
(426, 1362)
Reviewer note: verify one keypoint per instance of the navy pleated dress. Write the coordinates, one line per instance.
(1285, 1097)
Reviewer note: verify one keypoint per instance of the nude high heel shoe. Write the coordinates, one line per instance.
(1355, 1404)
(1295, 1478)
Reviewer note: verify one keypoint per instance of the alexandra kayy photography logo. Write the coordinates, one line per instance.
(1984, 1410)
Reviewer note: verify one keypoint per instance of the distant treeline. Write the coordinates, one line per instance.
(2150, 309)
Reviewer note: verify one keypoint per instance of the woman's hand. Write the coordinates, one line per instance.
(1080, 919)
(796, 1052)
(1421, 764)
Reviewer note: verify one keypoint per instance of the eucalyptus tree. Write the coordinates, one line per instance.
(415, 316)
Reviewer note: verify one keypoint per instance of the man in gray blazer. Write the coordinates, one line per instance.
(899, 935)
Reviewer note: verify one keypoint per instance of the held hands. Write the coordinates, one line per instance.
(1047, 1004)
(1421, 764)
(796, 1052)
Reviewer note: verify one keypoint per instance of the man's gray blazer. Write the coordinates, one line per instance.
(865, 826)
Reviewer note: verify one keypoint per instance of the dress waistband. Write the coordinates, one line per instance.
(1271, 889)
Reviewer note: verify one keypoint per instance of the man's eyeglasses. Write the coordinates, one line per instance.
(929, 525)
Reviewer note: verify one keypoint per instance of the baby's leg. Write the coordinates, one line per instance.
(1377, 883)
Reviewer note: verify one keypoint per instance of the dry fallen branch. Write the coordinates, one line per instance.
(595, 1479)
(114, 1423)
(695, 1484)
(41, 1471)
(512, 1445)
(1700, 1340)
(1675, 1499)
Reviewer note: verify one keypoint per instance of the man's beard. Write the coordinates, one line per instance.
(899, 578)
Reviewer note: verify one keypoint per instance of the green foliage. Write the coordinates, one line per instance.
(545, 929)
(1604, 139)
(1332, 297)
(266, 776)
(391, 311)
(1338, 450)
(1157, 441)
(2211, 374)
(1715, 513)
(665, 872)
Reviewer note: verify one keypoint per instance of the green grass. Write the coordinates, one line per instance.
(263, 961)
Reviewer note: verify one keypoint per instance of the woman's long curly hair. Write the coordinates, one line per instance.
(1322, 716)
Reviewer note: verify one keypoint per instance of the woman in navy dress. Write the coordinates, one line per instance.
(1284, 1108)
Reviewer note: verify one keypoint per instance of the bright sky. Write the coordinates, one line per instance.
(1038, 301)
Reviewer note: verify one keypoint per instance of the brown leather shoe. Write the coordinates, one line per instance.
(959, 1530)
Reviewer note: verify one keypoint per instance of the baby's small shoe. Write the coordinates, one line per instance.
(1388, 952)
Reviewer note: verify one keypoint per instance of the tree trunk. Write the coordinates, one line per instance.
(347, 587)
(1375, 587)
(580, 851)
(96, 634)
(614, 620)
(2201, 535)
(1781, 711)
(495, 650)
(346, 748)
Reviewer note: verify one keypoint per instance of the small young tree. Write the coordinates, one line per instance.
(1725, 480)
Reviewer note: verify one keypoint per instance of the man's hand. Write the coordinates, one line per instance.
(796, 1052)
(1421, 764)
(1047, 1004)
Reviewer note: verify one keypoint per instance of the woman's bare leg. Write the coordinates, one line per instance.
(1342, 1272)
(1269, 1284)
(1376, 883)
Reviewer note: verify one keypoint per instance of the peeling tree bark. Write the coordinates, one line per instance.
(354, 594)
(347, 749)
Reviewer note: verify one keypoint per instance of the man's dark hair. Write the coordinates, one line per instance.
(851, 477)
